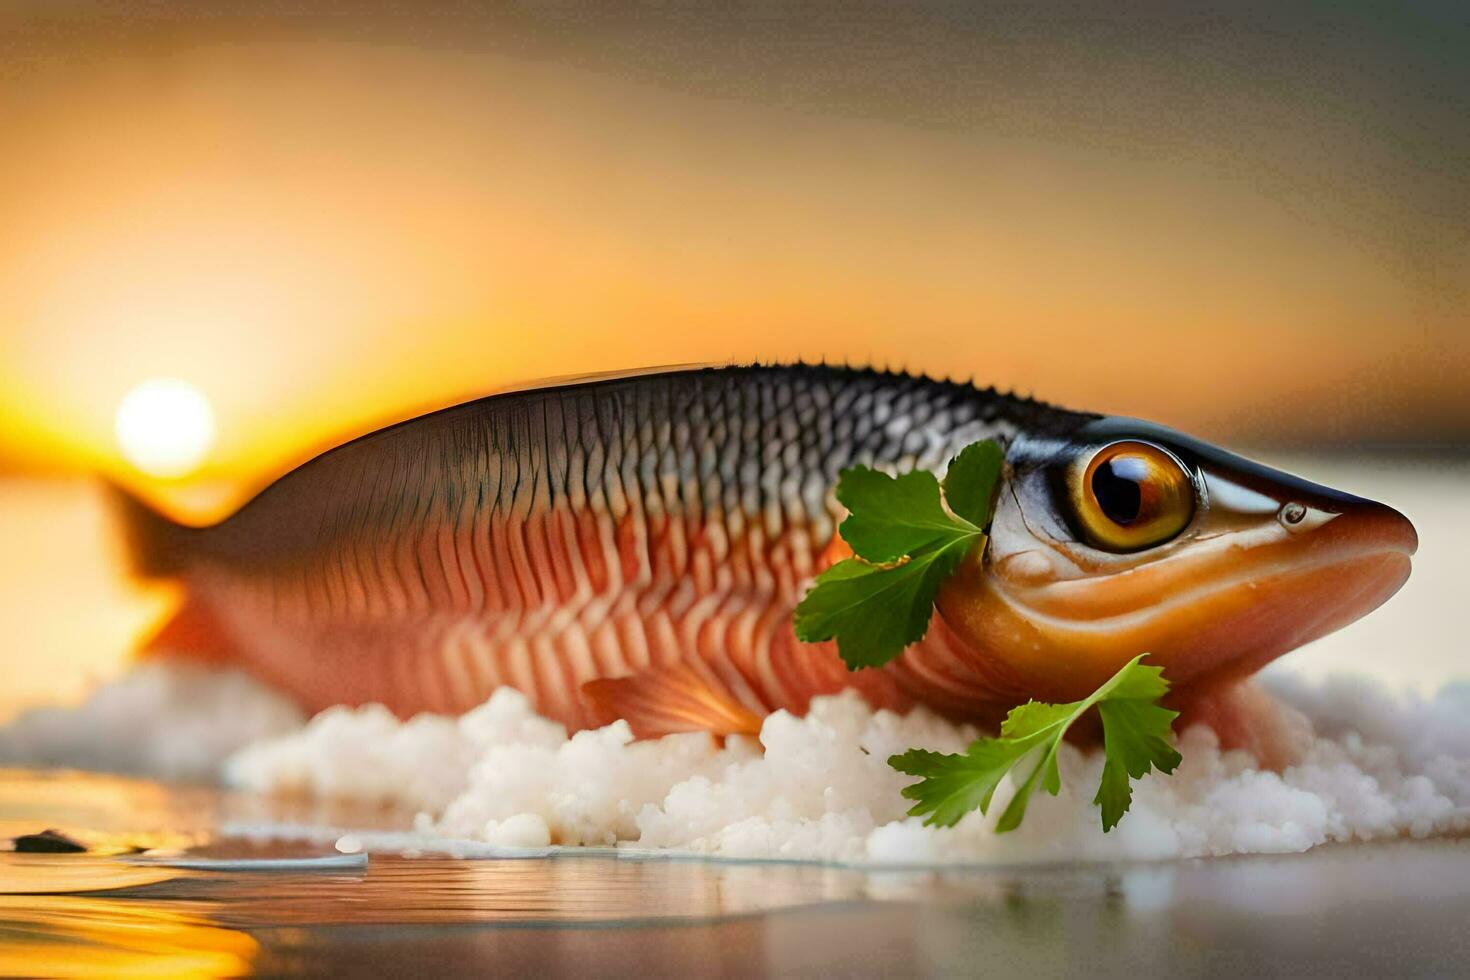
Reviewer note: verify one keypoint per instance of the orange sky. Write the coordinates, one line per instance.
(324, 231)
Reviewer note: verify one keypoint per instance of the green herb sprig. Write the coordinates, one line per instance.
(906, 544)
(1136, 738)
(907, 539)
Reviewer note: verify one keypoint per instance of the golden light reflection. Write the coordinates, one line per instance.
(79, 936)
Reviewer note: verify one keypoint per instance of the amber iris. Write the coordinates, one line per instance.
(1132, 495)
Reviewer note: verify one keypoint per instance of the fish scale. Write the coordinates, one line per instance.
(551, 537)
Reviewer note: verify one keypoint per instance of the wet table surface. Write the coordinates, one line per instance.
(1398, 908)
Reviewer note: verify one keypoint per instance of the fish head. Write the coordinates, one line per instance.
(1126, 537)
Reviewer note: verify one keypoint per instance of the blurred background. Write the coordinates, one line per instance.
(233, 234)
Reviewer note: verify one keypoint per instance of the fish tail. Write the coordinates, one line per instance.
(156, 546)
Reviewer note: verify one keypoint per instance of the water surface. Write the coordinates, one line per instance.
(119, 911)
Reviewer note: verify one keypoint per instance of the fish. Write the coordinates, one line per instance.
(633, 547)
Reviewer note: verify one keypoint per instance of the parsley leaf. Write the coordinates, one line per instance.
(874, 612)
(893, 516)
(969, 486)
(907, 543)
(1136, 737)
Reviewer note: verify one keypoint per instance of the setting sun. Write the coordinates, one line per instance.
(165, 427)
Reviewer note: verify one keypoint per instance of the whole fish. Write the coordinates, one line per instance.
(634, 547)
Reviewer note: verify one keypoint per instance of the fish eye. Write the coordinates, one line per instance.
(1130, 496)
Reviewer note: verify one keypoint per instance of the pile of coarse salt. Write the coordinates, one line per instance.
(1369, 766)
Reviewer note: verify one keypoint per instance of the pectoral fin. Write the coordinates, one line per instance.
(665, 700)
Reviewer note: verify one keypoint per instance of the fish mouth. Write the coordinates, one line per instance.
(1220, 608)
(1258, 607)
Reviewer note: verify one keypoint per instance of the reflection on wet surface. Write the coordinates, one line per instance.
(82, 935)
(117, 910)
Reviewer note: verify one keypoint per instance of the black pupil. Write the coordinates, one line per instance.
(1115, 484)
